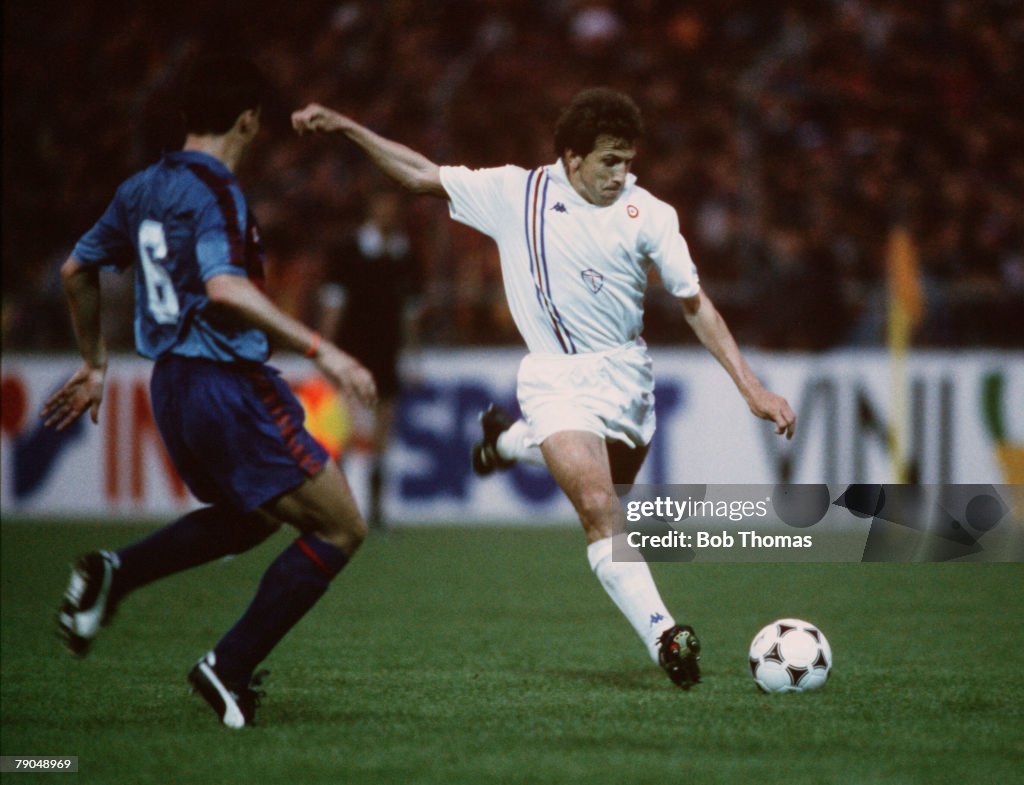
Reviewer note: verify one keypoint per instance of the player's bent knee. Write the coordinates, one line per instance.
(350, 528)
(345, 533)
(598, 507)
(323, 506)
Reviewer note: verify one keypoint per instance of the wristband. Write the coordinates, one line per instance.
(314, 346)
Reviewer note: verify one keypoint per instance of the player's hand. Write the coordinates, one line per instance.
(316, 118)
(347, 374)
(769, 406)
(82, 393)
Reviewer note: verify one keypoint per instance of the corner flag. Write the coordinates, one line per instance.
(906, 309)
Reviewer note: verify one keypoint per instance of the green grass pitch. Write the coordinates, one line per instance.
(490, 655)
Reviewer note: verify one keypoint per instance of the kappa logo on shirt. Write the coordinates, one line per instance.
(560, 208)
(593, 279)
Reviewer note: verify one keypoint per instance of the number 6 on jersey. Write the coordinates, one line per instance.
(160, 296)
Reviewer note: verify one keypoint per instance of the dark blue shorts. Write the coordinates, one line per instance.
(234, 431)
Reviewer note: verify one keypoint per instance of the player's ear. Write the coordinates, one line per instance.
(572, 161)
(248, 122)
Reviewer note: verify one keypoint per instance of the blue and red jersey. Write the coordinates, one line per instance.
(181, 221)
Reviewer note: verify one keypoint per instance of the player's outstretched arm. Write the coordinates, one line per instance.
(83, 392)
(410, 169)
(238, 294)
(709, 326)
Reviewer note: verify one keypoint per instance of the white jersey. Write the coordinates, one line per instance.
(574, 273)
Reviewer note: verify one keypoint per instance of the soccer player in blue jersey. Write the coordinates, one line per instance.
(231, 425)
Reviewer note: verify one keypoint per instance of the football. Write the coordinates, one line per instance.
(790, 655)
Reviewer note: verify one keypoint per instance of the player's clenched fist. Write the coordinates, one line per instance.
(316, 118)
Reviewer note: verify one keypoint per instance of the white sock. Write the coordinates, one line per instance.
(515, 444)
(631, 587)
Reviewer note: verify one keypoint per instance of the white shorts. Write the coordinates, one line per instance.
(609, 393)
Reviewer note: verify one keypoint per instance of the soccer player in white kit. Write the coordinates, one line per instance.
(577, 239)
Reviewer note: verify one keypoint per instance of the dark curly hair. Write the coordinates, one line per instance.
(217, 89)
(593, 112)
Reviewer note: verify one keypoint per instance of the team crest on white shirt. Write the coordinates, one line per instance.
(593, 279)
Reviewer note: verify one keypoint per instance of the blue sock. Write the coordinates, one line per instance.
(290, 587)
(196, 538)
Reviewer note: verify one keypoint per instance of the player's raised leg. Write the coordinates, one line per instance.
(580, 464)
(102, 579)
(504, 443)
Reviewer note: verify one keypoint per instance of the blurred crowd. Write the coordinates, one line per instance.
(791, 137)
